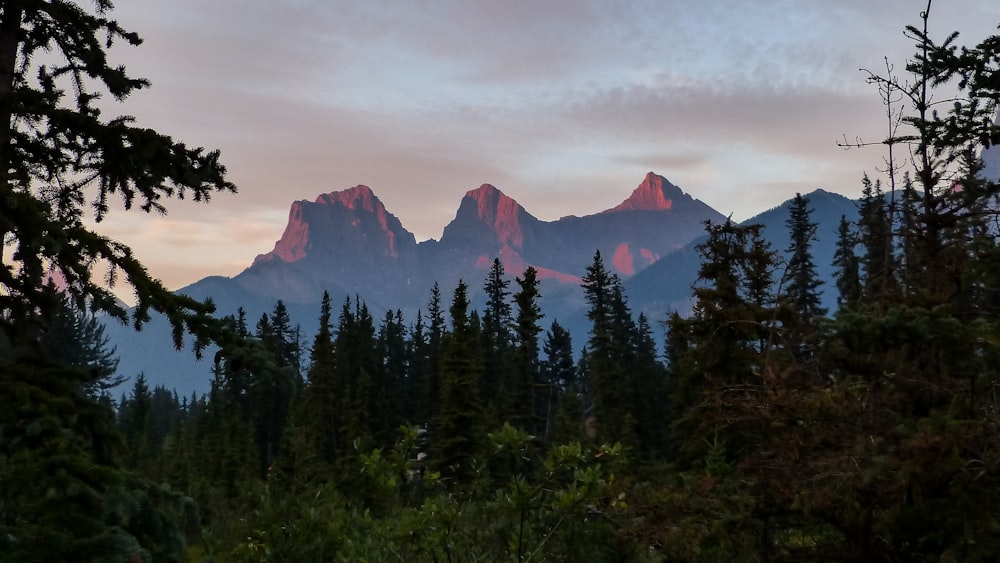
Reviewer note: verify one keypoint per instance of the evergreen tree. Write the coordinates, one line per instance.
(136, 420)
(847, 275)
(76, 337)
(58, 154)
(356, 366)
(436, 330)
(875, 232)
(392, 379)
(563, 392)
(315, 419)
(649, 393)
(500, 384)
(419, 366)
(606, 359)
(529, 405)
(801, 291)
(728, 343)
(457, 432)
(803, 281)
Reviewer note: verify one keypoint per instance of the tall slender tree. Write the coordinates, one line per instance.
(845, 260)
(457, 431)
(802, 288)
(529, 404)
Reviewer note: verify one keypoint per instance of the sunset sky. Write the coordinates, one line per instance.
(563, 105)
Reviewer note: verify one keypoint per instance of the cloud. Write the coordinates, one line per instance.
(564, 105)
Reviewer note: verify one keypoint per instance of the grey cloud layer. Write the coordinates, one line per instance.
(740, 103)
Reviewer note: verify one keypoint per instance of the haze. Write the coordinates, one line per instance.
(563, 105)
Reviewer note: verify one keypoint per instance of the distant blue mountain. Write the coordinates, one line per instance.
(347, 243)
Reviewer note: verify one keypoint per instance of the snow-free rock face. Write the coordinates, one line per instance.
(655, 193)
(487, 215)
(348, 244)
(657, 219)
(347, 225)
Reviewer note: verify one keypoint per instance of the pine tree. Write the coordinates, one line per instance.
(136, 421)
(356, 366)
(391, 381)
(436, 330)
(801, 291)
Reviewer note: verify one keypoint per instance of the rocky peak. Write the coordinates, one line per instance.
(358, 197)
(487, 206)
(655, 193)
(351, 221)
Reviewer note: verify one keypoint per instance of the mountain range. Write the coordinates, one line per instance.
(347, 243)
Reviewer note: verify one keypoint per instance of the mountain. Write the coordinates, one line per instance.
(665, 286)
(346, 242)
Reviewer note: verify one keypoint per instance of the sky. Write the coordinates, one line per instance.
(564, 105)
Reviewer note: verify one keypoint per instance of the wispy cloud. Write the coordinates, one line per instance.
(563, 104)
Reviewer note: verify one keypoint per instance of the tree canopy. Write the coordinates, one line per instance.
(63, 163)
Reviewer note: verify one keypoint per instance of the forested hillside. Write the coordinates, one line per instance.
(765, 427)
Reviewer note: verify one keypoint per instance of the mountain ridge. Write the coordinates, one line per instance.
(347, 243)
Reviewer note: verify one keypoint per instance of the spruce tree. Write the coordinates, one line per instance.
(76, 337)
(391, 380)
(59, 155)
(457, 431)
(499, 385)
(878, 261)
(728, 343)
(803, 281)
(561, 388)
(528, 405)
(607, 356)
(315, 418)
(436, 330)
(847, 274)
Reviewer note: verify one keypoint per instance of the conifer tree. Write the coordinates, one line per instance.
(499, 384)
(136, 420)
(528, 402)
(606, 358)
(728, 343)
(59, 155)
(419, 366)
(846, 262)
(392, 379)
(803, 281)
(356, 365)
(563, 402)
(315, 419)
(76, 337)
(876, 235)
(457, 431)
(436, 330)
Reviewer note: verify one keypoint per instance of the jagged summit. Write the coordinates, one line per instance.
(655, 193)
(488, 207)
(358, 197)
(354, 214)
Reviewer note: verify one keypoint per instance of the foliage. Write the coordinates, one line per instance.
(60, 155)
